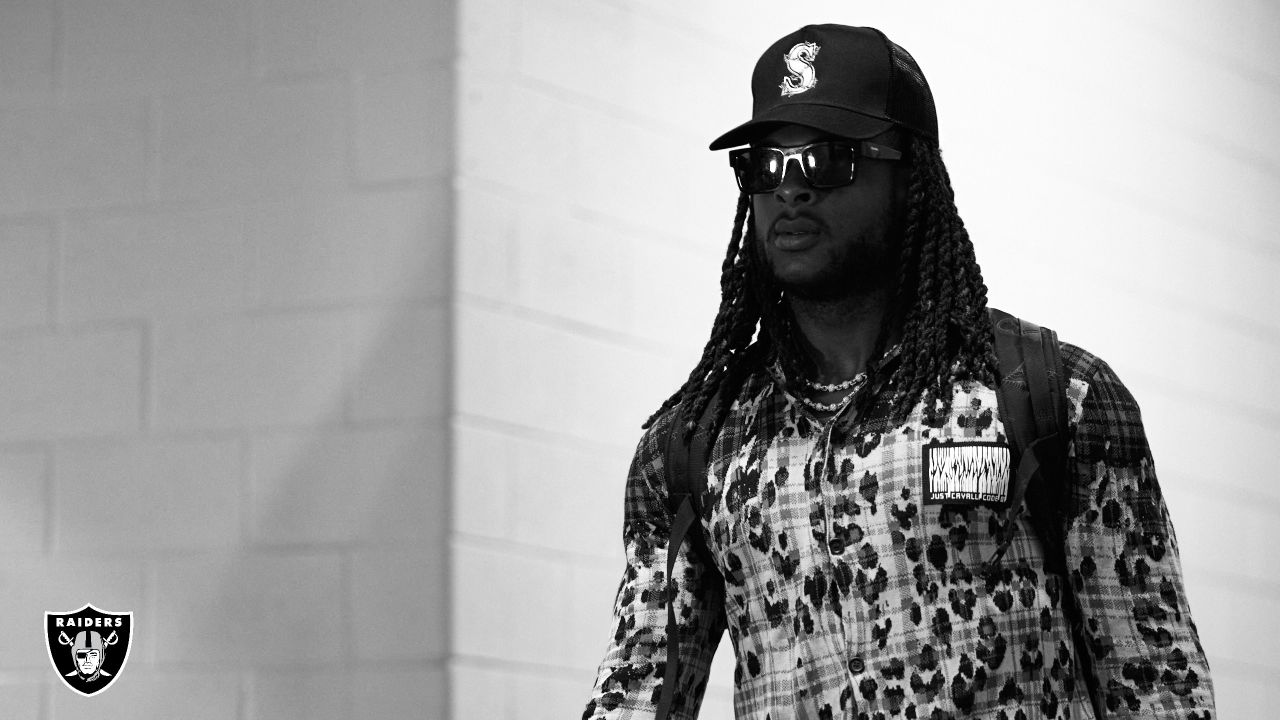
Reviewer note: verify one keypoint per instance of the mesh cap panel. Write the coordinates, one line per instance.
(911, 102)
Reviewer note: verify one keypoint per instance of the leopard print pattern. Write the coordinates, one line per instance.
(845, 595)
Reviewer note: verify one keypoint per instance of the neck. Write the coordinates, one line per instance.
(842, 333)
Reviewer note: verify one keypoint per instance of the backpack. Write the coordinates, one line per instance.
(1032, 403)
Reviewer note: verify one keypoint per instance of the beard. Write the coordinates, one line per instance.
(865, 267)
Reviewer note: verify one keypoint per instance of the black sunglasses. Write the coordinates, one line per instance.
(826, 164)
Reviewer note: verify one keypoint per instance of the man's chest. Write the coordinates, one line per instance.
(884, 509)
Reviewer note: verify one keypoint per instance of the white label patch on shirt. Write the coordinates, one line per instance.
(966, 473)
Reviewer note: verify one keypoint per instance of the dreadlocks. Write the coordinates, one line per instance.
(940, 302)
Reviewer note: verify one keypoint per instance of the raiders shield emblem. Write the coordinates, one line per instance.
(88, 647)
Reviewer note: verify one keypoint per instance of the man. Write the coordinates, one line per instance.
(89, 652)
(857, 548)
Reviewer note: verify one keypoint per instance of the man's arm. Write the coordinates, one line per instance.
(629, 681)
(1123, 560)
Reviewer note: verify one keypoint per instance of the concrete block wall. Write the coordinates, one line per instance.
(326, 328)
(225, 232)
(1112, 163)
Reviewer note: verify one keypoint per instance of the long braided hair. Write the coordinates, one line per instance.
(940, 302)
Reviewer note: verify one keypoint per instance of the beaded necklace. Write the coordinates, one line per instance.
(852, 385)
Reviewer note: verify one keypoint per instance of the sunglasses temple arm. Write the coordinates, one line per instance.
(878, 152)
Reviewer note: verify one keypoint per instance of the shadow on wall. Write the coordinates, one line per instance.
(334, 595)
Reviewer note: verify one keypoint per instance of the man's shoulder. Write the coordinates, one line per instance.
(653, 440)
(1082, 367)
(1089, 379)
(1079, 364)
(1100, 406)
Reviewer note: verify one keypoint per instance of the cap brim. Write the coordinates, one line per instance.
(834, 120)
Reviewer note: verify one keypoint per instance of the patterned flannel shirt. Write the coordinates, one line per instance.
(847, 596)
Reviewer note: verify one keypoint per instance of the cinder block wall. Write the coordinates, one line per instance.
(1115, 166)
(284, 283)
(224, 262)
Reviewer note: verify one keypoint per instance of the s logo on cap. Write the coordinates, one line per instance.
(799, 60)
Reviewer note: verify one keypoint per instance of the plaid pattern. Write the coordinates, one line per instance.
(845, 596)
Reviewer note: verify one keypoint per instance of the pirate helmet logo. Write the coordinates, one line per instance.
(88, 647)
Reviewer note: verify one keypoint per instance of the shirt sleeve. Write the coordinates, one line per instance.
(1145, 652)
(628, 683)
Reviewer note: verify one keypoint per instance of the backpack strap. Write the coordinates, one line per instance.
(1033, 411)
(1046, 500)
(686, 477)
(1032, 399)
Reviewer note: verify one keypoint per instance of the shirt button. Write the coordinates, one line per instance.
(856, 665)
(836, 545)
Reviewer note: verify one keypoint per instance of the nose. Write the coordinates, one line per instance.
(794, 188)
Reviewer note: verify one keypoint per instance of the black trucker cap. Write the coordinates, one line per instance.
(849, 81)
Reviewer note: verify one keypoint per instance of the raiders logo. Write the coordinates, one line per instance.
(88, 647)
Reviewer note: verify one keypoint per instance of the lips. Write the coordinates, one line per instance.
(795, 226)
(795, 233)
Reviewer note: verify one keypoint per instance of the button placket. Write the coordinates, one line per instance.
(835, 545)
(855, 619)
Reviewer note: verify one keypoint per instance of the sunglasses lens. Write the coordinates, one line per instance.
(829, 164)
(826, 165)
(758, 169)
